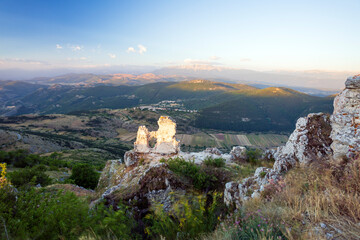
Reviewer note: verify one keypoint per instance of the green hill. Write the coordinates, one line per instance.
(221, 106)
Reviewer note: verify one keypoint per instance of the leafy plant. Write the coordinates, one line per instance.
(85, 175)
(117, 224)
(30, 176)
(35, 214)
(214, 162)
(189, 169)
(187, 218)
(253, 156)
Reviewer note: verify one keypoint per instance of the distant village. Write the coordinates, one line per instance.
(166, 105)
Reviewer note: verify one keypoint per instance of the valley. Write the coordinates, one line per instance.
(218, 106)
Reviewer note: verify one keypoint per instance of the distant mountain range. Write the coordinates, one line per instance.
(223, 106)
(256, 79)
(131, 75)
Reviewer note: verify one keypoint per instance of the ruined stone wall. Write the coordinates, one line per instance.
(345, 120)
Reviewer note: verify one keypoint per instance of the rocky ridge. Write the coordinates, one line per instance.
(317, 137)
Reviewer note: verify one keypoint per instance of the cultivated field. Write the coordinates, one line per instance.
(226, 141)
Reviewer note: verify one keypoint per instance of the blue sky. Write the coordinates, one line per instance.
(258, 34)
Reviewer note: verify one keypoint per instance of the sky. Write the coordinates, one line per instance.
(259, 34)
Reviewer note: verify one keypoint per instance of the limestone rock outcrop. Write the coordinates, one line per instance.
(310, 141)
(166, 143)
(238, 153)
(345, 120)
(317, 137)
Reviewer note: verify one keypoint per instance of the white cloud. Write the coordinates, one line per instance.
(215, 58)
(130, 49)
(142, 49)
(58, 46)
(111, 55)
(83, 58)
(76, 48)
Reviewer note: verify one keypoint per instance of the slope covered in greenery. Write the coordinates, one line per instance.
(222, 106)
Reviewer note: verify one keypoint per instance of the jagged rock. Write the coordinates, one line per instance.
(142, 140)
(353, 82)
(317, 137)
(345, 120)
(238, 153)
(214, 151)
(166, 142)
(310, 141)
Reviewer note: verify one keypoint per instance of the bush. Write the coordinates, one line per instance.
(214, 162)
(40, 215)
(85, 176)
(117, 224)
(188, 218)
(252, 225)
(253, 156)
(189, 169)
(30, 177)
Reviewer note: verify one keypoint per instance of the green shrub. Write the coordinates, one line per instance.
(253, 156)
(214, 162)
(187, 219)
(85, 175)
(30, 176)
(40, 215)
(117, 224)
(189, 169)
(262, 174)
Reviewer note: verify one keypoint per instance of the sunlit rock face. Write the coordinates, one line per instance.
(166, 143)
(142, 140)
(345, 120)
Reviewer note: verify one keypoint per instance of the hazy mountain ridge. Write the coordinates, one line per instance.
(108, 79)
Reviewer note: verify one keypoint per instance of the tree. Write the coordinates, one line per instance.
(85, 176)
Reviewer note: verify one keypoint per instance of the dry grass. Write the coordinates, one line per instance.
(321, 193)
(321, 201)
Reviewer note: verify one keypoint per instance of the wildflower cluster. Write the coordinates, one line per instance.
(254, 225)
(3, 180)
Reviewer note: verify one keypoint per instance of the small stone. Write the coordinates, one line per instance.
(323, 225)
(329, 236)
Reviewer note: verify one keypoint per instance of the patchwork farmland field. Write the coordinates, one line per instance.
(226, 141)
